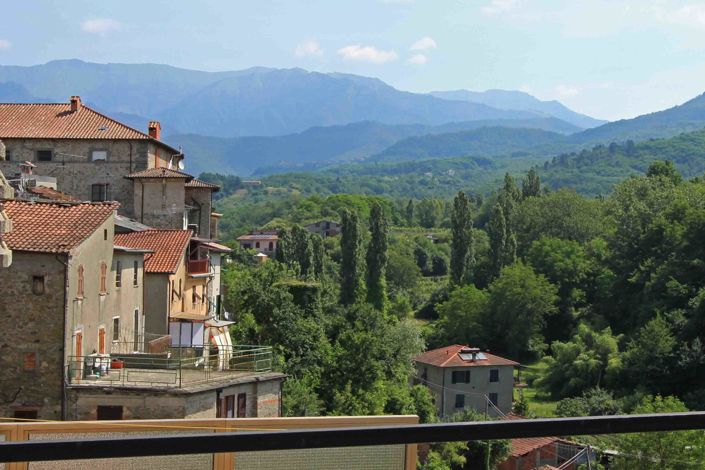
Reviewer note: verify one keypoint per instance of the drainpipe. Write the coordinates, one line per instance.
(142, 202)
(64, 368)
(443, 393)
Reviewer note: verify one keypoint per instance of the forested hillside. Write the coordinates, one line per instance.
(604, 294)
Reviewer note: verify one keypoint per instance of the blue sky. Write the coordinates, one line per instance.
(610, 59)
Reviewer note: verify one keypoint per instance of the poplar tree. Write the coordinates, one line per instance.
(531, 184)
(350, 248)
(461, 249)
(410, 213)
(377, 259)
(497, 232)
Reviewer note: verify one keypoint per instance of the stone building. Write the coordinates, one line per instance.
(87, 152)
(325, 228)
(461, 377)
(55, 300)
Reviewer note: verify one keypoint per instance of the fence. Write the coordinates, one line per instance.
(175, 368)
(147, 439)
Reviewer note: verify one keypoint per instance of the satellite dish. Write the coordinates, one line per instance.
(180, 164)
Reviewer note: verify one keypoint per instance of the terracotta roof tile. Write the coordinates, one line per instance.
(57, 121)
(53, 227)
(168, 247)
(49, 193)
(160, 173)
(196, 183)
(448, 357)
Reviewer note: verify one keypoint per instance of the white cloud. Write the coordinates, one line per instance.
(5, 44)
(566, 91)
(496, 7)
(424, 44)
(688, 15)
(371, 54)
(308, 48)
(100, 26)
(418, 59)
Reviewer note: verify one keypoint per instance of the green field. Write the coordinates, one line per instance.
(540, 404)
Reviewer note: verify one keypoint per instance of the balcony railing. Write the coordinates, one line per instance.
(363, 438)
(198, 266)
(174, 368)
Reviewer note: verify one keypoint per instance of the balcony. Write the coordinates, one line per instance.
(199, 266)
(172, 369)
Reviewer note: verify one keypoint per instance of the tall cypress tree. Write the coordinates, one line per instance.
(350, 247)
(497, 232)
(318, 255)
(377, 259)
(461, 249)
(410, 213)
(531, 184)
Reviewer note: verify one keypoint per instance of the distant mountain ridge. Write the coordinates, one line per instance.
(256, 101)
(319, 147)
(519, 100)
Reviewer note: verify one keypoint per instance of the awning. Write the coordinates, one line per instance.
(213, 246)
(189, 316)
(219, 323)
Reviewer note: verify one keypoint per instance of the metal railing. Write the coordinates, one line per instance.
(175, 368)
(320, 438)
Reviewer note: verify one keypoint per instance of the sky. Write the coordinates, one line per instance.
(609, 59)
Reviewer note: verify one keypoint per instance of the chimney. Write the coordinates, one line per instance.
(75, 103)
(155, 129)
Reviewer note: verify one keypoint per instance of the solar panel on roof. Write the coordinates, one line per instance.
(469, 356)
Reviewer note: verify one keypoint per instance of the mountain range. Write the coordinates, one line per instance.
(265, 120)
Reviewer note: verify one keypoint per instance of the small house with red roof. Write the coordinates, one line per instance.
(460, 377)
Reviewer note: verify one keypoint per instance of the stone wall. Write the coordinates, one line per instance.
(31, 335)
(141, 404)
(159, 203)
(200, 200)
(74, 170)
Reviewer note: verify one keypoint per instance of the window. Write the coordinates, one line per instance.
(194, 296)
(101, 340)
(29, 360)
(108, 412)
(460, 400)
(79, 289)
(118, 274)
(116, 328)
(494, 375)
(256, 244)
(173, 292)
(242, 405)
(99, 192)
(494, 398)
(136, 333)
(461, 377)
(271, 246)
(99, 155)
(44, 155)
(38, 286)
(424, 376)
(8, 155)
(103, 277)
(26, 414)
(135, 272)
(105, 234)
(230, 406)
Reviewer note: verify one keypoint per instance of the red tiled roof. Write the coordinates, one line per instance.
(52, 227)
(525, 445)
(196, 183)
(168, 245)
(258, 236)
(57, 121)
(448, 357)
(160, 173)
(49, 193)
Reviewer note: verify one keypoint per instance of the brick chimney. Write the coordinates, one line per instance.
(155, 129)
(75, 103)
